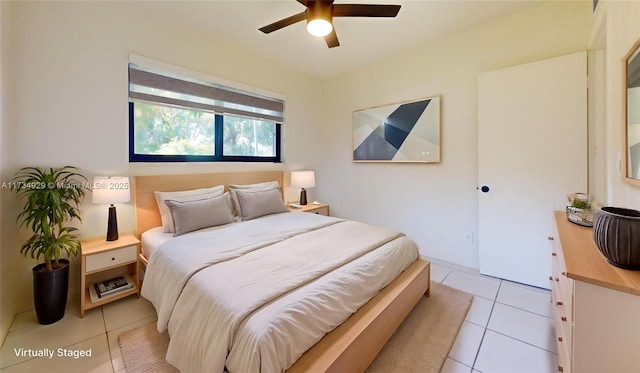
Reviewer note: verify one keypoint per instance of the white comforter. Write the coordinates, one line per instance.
(292, 278)
(177, 260)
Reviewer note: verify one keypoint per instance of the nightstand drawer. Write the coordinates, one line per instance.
(314, 208)
(111, 258)
(320, 210)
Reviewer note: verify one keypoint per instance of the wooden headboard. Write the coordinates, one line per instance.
(146, 208)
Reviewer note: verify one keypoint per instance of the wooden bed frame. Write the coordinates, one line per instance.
(352, 346)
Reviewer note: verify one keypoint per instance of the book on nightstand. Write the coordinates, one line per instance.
(110, 287)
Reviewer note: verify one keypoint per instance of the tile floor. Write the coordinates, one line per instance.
(508, 329)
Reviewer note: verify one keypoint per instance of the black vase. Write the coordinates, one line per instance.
(50, 290)
(616, 232)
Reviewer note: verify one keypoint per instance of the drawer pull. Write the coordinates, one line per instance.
(550, 278)
(559, 303)
(560, 369)
(113, 258)
(557, 279)
(563, 318)
(550, 238)
(554, 254)
(564, 273)
(559, 339)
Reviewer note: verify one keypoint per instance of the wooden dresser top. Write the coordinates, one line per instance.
(584, 262)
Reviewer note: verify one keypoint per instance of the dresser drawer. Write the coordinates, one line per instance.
(563, 329)
(564, 360)
(111, 258)
(562, 286)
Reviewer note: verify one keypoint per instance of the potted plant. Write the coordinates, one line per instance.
(52, 198)
(580, 209)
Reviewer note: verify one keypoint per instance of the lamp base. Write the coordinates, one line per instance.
(112, 225)
(303, 197)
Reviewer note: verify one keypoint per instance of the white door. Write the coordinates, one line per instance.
(532, 150)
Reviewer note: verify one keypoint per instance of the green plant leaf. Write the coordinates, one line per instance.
(52, 198)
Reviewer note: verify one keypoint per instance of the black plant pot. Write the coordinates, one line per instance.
(50, 292)
(616, 232)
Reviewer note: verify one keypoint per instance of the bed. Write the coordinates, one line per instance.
(351, 342)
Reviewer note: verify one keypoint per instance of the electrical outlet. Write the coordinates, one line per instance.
(470, 237)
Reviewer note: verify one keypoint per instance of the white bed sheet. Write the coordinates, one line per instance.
(267, 327)
(152, 239)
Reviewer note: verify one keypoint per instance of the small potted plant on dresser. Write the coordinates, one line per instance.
(580, 209)
(52, 197)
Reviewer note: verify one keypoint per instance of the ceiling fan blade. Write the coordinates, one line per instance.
(365, 10)
(306, 2)
(332, 39)
(284, 23)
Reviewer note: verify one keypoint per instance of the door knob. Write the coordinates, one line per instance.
(484, 189)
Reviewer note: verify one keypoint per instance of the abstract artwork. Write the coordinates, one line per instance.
(405, 132)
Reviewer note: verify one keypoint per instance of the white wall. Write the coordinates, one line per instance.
(435, 204)
(69, 103)
(622, 23)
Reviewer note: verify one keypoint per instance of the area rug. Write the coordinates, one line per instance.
(420, 345)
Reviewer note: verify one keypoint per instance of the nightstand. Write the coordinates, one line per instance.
(103, 260)
(321, 208)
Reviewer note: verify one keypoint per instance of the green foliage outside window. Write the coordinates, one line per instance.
(248, 137)
(172, 131)
(165, 130)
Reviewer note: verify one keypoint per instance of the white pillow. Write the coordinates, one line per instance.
(182, 196)
(254, 203)
(204, 213)
(268, 185)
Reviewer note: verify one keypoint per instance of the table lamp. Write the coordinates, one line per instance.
(111, 190)
(303, 179)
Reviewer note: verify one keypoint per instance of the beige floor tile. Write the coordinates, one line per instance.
(480, 311)
(524, 326)
(452, 366)
(439, 272)
(483, 286)
(527, 298)
(127, 311)
(501, 354)
(23, 319)
(467, 343)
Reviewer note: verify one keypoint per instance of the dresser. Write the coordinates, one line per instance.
(596, 308)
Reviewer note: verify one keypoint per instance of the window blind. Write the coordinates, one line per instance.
(151, 85)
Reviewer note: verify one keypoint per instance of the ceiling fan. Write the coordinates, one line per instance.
(320, 13)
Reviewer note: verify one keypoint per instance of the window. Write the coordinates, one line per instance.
(175, 119)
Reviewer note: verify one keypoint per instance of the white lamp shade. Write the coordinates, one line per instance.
(109, 190)
(303, 179)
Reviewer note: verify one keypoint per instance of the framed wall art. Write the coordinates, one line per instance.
(631, 173)
(400, 133)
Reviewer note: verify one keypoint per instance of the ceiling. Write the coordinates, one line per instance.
(362, 40)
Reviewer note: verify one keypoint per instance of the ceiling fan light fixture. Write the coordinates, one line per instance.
(319, 16)
(319, 26)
